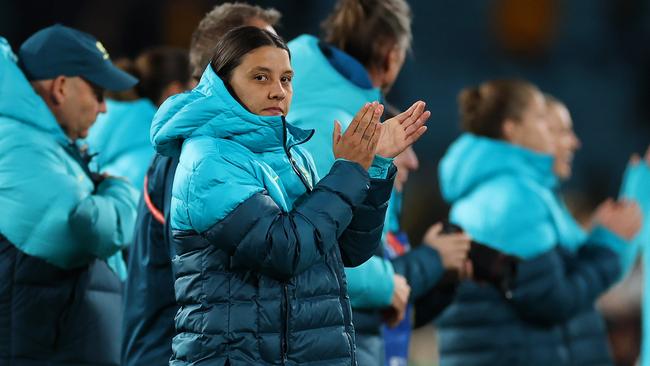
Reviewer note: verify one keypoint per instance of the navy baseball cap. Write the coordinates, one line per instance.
(60, 50)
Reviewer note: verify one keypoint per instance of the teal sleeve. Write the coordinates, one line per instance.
(636, 187)
(380, 167)
(104, 221)
(370, 285)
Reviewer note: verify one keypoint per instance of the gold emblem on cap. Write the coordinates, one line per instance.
(101, 49)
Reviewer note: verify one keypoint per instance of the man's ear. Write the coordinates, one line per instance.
(59, 90)
(509, 129)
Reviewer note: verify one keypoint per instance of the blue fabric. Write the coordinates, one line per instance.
(347, 66)
(370, 350)
(149, 301)
(60, 50)
(330, 86)
(71, 222)
(260, 247)
(396, 340)
(55, 317)
(61, 230)
(120, 138)
(321, 95)
(494, 175)
(636, 183)
(503, 196)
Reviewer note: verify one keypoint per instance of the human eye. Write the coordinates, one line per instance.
(286, 79)
(260, 77)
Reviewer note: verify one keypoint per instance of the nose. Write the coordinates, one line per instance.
(576, 141)
(277, 91)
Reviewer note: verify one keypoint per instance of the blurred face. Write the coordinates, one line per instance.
(532, 130)
(262, 81)
(405, 162)
(394, 65)
(565, 139)
(74, 102)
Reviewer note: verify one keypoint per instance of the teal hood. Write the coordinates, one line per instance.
(321, 95)
(504, 196)
(19, 101)
(210, 110)
(120, 138)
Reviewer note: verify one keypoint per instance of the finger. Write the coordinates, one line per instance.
(407, 113)
(414, 116)
(416, 136)
(336, 135)
(419, 122)
(357, 119)
(635, 159)
(411, 110)
(372, 127)
(365, 120)
(366, 127)
(374, 142)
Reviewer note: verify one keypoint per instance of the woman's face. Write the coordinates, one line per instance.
(262, 81)
(566, 141)
(532, 130)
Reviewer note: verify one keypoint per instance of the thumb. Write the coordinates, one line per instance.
(336, 136)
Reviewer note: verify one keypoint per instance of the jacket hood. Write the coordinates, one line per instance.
(19, 101)
(210, 110)
(472, 159)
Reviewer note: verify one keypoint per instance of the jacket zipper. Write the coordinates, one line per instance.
(285, 326)
(293, 163)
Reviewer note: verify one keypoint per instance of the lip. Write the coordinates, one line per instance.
(274, 111)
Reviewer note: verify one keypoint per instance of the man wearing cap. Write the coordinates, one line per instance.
(61, 226)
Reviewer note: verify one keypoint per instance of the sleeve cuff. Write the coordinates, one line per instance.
(606, 238)
(380, 167)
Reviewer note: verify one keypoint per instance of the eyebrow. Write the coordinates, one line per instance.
(266, 69)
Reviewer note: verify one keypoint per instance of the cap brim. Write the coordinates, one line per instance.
(112, 78)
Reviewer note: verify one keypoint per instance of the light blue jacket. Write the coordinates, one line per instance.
(504, 196)
(636, 186)
(49, 207)
(120, 138)
(321, 95)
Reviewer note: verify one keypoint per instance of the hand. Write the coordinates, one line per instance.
(403, 130)
(453, 248)
(624, 217)
(636, 159)
(359, 142)
(401, 293)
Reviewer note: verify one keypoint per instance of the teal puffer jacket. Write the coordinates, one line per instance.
(261, 248)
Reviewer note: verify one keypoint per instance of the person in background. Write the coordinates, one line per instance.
(636, 181)
(62, 226)
(120, 138)
(357, 61)
(149, 297)
(501, 178)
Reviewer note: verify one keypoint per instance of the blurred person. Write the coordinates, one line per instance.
(120, 137)
(421, 273)
(149, 297)
(62, 226)
(357, 61)
(501, 178)
(635, 187)
(254, 232)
